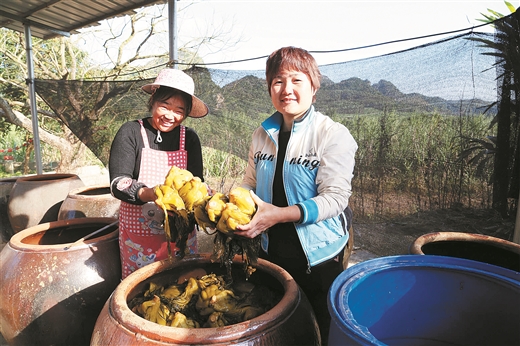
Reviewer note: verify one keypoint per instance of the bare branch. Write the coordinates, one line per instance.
(19, 119)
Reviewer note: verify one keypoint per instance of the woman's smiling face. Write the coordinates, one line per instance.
(292, 93)
(168, 114)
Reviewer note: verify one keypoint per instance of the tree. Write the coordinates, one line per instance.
(505, 47)
(128, 44)
(54, 59)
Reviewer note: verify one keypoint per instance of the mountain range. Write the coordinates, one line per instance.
(352, 96)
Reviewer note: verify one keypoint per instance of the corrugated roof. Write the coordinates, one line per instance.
(51, 18)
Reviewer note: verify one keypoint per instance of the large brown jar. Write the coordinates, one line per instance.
(290, 322)
(89, 201)
(37, 199)
(476, 247)
(51, 295)
(6, 231)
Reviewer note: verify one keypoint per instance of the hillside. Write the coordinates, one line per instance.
(236, 108)
(352, 96)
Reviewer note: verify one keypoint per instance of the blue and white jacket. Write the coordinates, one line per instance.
(317, 174)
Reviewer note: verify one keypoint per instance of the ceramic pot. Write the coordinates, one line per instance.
(290, 322)
(51, 295)
(6, 231)
(477, 247)
(89, 201)
(37, 199)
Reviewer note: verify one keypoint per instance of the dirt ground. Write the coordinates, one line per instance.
(378, 238)
(394, 237)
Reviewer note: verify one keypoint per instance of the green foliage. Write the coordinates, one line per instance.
(228, 132)
(247, 95)
(417, 155)
(506, 143)
(11, 145)
(11, 140)
(222, 169)
(480, 153)
(356, 96)
(408, 143)
(493, 15)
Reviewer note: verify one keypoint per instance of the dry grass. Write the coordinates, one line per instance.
(388, 227)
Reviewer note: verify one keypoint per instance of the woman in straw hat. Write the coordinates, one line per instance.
(140, 157)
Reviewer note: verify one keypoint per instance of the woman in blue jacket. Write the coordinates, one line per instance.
(300, 170)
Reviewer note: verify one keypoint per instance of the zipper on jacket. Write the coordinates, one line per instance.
(308, 271)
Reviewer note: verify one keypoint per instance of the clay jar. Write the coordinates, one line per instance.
(476, 247)
(290, 322)
(6, 231)
(37, 199)
(51, 295)
(89, 201)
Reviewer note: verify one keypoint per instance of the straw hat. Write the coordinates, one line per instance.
(177, 79)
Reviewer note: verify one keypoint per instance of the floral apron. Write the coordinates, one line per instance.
(141, 232)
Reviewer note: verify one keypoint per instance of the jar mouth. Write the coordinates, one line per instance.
(461, 236)
(138, 281)
(47, 177)
(91, 191)
(9, 180)
(471, 246)
(56, 235)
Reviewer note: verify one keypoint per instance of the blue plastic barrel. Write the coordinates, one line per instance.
(425, 300)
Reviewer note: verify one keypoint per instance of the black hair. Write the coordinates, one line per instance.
(163, 93)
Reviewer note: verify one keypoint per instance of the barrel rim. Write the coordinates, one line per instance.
(351, 276)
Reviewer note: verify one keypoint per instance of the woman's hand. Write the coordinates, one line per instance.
(266, 216)
(146, 194)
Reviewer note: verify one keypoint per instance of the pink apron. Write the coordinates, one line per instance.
(141, 233)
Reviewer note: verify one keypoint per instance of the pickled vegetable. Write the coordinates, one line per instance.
(205, 302)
